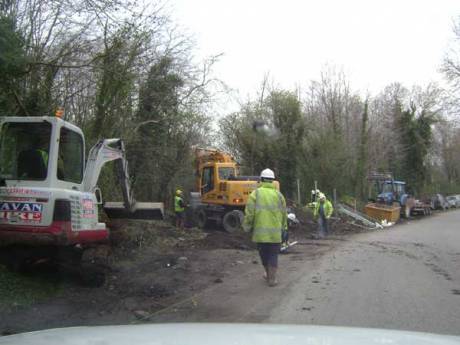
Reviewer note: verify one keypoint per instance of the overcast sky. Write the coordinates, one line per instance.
(375, 42)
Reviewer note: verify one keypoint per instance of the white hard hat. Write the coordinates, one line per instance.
(292, 216)
(267, 173)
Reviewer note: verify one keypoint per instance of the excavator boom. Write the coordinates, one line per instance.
(107, 150)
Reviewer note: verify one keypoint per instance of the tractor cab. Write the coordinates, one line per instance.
(392, 191)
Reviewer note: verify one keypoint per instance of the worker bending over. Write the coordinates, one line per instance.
(266, 217)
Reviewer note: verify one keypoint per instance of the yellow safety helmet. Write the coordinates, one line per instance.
(178, 192)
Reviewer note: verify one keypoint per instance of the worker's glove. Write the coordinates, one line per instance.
(311, 205)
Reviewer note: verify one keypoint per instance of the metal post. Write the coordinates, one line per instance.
(252, 153)
(335, 196)
(298, 192)
(316, 187)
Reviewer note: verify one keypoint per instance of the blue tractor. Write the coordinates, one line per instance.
(391, 191)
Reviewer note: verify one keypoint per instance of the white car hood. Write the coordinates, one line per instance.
(228, 334)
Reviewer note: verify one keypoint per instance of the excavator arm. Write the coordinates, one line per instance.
(107, 150)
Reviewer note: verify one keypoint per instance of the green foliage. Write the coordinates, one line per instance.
(326, 162)
(285, 109)
(416, 139)
(115, 86)
(122, 73)
(12, 66)
(276, 145)
(335, 139)
(362, 160)
(118, 72)
(20, 290)
(164, 134)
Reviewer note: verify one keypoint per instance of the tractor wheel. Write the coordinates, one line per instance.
(233, 221)
(202, 218)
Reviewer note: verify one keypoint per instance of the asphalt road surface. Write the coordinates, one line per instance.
(406, 277)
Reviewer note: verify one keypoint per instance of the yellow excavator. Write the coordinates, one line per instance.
(223, 193)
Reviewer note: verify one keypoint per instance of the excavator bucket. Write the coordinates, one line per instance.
(141, 210)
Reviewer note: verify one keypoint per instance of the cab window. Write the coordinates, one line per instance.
(399, 188)
(24, 150)
(70, 158)
(226, 172)
(207, 181)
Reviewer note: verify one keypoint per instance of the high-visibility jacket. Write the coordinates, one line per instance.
(328, 209)
(44, 156)
(265, 214)
(178, 204)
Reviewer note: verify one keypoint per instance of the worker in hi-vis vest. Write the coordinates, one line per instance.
(266, 217)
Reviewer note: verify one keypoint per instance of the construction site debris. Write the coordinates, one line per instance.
(358, 216)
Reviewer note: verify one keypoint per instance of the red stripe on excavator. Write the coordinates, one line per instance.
(56, 228)
(59, 232)
(90, 236)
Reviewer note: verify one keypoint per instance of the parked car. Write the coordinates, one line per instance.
(439, 202)
(453, 200)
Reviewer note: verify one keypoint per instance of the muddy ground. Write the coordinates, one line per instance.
(152, 266)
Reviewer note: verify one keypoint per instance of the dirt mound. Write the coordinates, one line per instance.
(222, 240)
(132, 235)
(338, 224)
(129, 236)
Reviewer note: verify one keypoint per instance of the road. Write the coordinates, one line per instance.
(406, 277)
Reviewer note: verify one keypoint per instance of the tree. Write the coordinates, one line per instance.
(115, 73)
(285, 110)
(166, 130)
(12, 67)
(333, 112)
(119, 70)
(416, 139)
(277, 145)
(362, 161)
(451, 65)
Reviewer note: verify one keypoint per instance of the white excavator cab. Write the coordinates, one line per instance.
(48, 189)
(41, 152)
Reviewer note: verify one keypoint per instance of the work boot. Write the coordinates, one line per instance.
(272, 276)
